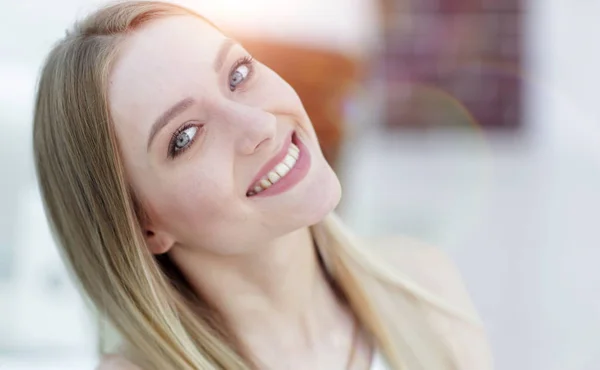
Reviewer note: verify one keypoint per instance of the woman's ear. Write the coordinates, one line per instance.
(157, 239)
(158, 242)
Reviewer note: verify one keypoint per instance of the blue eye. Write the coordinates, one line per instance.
(182, 140)
(241, 70)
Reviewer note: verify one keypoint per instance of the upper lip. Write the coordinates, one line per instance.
(267, 167)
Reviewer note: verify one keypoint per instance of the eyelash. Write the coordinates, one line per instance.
(244, 61)
(172, 153)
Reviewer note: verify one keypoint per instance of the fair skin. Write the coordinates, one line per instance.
(251, 256)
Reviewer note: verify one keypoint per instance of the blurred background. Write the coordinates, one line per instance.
(471, 124)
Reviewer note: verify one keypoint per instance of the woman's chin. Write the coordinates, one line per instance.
(315, 196)
(323, 197)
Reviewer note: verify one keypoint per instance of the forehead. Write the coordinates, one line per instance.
(161, 63)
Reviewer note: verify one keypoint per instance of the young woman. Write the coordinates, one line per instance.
(185, 183)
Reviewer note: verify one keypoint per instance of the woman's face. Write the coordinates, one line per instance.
(217, 147)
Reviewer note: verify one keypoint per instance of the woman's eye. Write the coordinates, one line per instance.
(239, 74)
(182, 140)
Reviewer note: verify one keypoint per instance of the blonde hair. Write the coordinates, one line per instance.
(96, 220)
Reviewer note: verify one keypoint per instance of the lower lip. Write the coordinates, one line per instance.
(294, 176)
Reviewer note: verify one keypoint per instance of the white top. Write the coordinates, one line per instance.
(379, 362)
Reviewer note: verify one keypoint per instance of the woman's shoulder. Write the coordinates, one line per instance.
(425, 265)
(435, 272)
(115, 362)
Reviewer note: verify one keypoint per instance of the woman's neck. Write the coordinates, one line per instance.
(281, 292)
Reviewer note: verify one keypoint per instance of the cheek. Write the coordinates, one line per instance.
(274, 94)
(196, 206)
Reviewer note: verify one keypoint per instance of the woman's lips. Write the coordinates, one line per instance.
(268, 167)
(293, 165)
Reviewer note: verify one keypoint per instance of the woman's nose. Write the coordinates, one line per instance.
(251, 127)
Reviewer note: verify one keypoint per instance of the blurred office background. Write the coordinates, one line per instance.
(474, 125)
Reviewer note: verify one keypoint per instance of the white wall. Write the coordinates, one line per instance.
(568, 323)
(520, 216)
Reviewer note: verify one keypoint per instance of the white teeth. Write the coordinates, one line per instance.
(289, 161)
(264, 183)
(282, 169)
(278, 172)
(273, 177)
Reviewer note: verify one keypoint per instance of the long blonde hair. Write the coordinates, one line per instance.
(96, 220)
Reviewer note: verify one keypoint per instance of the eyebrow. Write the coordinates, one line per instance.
(167, 116)
(184, 104)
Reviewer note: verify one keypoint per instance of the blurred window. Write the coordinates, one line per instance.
(452, 63)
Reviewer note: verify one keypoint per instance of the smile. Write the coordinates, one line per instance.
(290, 166)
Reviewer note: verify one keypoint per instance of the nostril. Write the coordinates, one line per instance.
(261, 143)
